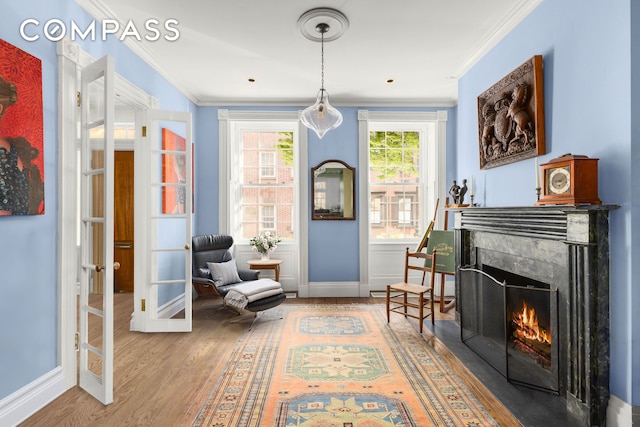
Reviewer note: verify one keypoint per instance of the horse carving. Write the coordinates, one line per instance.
(518, 113)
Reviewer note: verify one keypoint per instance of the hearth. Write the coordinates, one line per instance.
(556, 260)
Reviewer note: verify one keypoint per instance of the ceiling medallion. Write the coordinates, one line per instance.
(337, 22)
(322, 25)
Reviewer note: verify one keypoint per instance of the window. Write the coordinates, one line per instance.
(268, 218)
(402, 178)
(267, 164)
(396, 183)
(404, 210)
(253, 200)
(375, 216)
(265, 182)
(320, 195)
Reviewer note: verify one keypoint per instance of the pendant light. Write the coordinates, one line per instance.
(321, 116)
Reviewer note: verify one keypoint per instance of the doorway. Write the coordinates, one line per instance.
(123, 239)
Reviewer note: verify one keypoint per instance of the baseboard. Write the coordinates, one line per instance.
(622, 414)
(25, 402)
(334, 289)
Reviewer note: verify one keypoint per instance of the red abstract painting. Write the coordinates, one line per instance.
(174, 168)
(21, 133)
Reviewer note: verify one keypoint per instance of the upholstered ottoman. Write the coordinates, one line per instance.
(255, 295)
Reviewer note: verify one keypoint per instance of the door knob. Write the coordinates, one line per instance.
(116, 265)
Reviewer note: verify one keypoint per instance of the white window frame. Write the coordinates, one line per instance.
(294, 268)
(379, 260)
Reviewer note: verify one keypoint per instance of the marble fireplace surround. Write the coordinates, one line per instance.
(568, 248)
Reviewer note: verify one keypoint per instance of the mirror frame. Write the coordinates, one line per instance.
(347, 205)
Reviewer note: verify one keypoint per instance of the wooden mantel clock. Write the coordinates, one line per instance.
(570, 180)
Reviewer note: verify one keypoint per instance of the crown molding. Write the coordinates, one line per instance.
(519, 10)
(364, 102)
(99, 10)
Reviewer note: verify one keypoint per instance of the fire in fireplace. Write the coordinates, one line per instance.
(529, 336)
(526, 328)
(516, 334)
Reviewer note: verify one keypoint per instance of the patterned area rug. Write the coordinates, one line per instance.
(342, 366)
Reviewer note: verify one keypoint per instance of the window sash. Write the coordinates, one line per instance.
(263, 187)
(397, 181)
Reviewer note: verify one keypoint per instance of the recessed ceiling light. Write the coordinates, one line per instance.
(390, 81)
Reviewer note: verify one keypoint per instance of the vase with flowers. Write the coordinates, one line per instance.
(264, 244)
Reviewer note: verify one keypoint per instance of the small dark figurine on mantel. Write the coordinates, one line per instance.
(458, 193)
(454, 191)
(463, 191)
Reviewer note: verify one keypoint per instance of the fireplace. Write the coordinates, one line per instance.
(514, 328)
(554, 260)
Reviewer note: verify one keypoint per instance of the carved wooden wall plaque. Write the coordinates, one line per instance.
(511, 117)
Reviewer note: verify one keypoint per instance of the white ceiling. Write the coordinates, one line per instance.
(423, 45)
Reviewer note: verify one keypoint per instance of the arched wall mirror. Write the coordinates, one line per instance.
(333, 189)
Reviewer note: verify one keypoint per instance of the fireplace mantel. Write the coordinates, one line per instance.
(568, 248)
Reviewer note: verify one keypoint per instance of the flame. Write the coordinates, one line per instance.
(527, 326)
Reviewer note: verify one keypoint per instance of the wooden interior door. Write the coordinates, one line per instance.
(123, 227)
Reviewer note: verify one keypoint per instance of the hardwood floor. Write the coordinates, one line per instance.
(163, 379)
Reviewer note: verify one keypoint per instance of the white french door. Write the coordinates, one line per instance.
(163, 194)
(95, 340)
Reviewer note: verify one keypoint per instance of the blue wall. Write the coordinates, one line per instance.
(334, 254)
(28, 269)
(333, 245)
(28, 250)
(586, 46)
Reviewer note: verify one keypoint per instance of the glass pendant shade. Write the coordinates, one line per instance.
(321, 116)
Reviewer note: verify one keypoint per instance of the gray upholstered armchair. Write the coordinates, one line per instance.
(211, 251)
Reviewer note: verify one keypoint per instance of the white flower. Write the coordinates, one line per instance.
(264, 243)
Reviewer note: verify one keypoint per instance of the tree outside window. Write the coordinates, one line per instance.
(395, 175)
